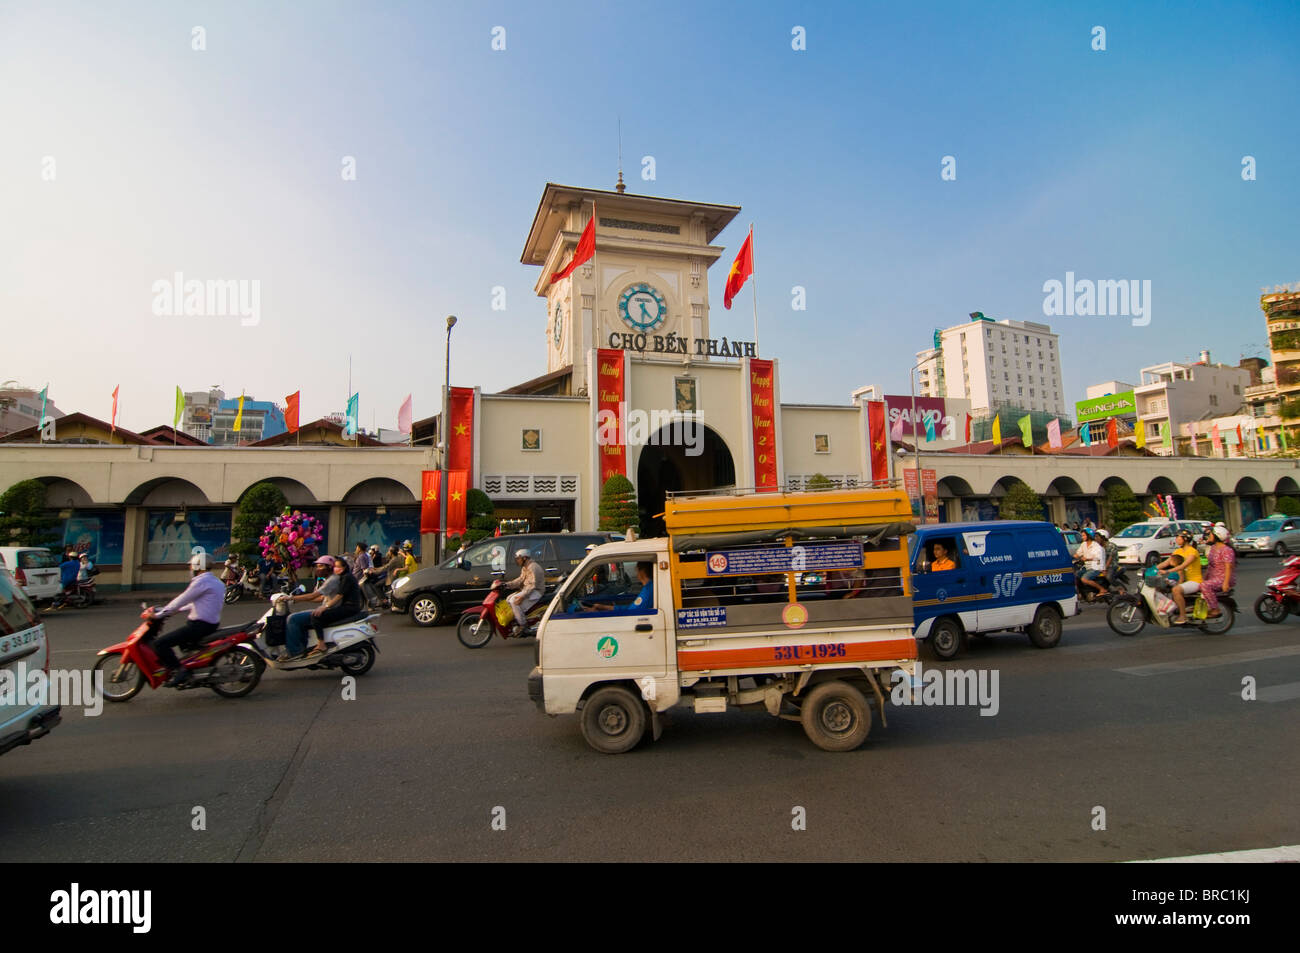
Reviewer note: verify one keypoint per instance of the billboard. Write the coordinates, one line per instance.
(947, 415)
(1100, 408)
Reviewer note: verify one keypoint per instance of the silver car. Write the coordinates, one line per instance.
(1278, 535)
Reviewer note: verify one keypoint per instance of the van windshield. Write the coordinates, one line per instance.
(1137, 531)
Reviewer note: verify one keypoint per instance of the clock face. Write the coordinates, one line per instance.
(642, 308)
(559, 323)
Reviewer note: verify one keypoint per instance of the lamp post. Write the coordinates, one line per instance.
(440, 547)
(916, 443)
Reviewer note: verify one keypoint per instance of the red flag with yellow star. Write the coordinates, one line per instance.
(460, 435)
(429, 481)
(879, 441)
(457, 489)
(741, 269)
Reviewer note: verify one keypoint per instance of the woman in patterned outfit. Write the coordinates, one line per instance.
(1219, 571)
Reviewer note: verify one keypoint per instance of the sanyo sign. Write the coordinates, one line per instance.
(948, 417)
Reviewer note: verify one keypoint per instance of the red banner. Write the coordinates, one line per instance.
(610, 397)
(291, 411)
(762, 408)
(460, 437)
(457, 488)
(879, 441)
(429, 482)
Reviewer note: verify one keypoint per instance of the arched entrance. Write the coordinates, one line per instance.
(675, 460)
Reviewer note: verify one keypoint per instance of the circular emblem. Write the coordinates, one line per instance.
(794, 616)
(559, 322)
(718, 562)
(941, 595)
(607, 646)
(642, 308)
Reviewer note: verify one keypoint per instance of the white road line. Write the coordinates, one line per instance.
(1265, 855)
(1209, 661)
(1279, 693)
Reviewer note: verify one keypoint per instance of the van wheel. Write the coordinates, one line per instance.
(1045, 631)
(836, 716)
(946, 640)
(613, 720)
(426, 610)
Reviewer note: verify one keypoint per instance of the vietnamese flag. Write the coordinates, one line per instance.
(879, 441)
(457, 490)
(114, 423)
(291, 411)
(1112, 433)
(741, 269)
(429, 481)
(460, 433)
(585, 250)
(968, 429)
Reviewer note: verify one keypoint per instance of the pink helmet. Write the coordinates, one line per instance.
(325, 561)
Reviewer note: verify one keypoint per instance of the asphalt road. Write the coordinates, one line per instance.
(1152, 729)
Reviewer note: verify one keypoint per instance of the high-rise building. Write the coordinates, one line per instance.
(1282, 315)
(260, 419)
(996, 364)
(1182, 394)
(200, 407)
(20, 408)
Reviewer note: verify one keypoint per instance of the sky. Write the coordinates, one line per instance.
(129, 156)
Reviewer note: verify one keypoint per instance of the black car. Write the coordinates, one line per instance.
(440, 593)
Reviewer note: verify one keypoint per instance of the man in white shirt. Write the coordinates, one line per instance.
(531, 583)
(1093, 557)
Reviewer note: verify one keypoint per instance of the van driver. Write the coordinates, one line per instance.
(942, 561)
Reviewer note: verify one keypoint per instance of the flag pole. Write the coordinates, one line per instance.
(753, 287)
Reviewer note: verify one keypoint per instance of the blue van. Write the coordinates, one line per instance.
(989, 577)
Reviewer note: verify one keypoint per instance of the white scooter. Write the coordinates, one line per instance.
(1129, 613)
(350, 643)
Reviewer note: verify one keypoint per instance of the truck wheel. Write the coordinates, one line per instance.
(836, 716)
(946, 639)
(1045, 630)
(613, 720)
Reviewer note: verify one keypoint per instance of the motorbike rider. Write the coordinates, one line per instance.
(409, 564)
(379, 573)
(68, 571)
(1186, 561)
(360, 560)
(530, 582)
(1093, 557)
(1219, 569)
(340, 597)
(205, 596)
(295, 640)
(230, 573)
(85, 569)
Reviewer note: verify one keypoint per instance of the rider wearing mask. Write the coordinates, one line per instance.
(205, 597)
(1219, 569)
(1186, 561)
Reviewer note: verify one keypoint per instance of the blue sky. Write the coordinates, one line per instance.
(225, 163)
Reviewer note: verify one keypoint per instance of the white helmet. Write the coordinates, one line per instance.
(199, 563)
(1220, 531)
(1103, 534)
(522, 554)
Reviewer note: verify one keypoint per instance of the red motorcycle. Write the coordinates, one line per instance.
(1282, 597)
(219, 663)
(494, 615)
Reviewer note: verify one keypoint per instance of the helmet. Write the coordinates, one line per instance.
(1220, 531)
(406, 544)
(199, 563)
(374, 548)
(522, 554)
(325, 561)
(1103, 534)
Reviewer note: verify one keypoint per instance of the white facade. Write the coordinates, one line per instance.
(996, 364)
(1183, 394)
(200, 409)
(1093, 391)
(929, 373)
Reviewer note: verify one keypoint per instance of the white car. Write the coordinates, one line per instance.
(23, 650)
(35, 568)
(1151, 541)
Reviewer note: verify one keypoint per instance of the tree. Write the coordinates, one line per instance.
(618, 508)
(819, 481)
(1288, 506)
(480, 518)
(1122, 507)
(23, 517)
(1203, 508)
(1020, 503)
(260, 504)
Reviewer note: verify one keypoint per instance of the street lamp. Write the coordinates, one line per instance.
(916, 443)
(440, 545)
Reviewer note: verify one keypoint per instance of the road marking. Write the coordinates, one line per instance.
(1265, 855)
(1209, 661)
(1279, 693)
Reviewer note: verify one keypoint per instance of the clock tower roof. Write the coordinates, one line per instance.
(558, 199)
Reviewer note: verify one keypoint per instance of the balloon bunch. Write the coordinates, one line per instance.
(292, 539)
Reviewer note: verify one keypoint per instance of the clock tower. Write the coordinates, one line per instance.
(645, 291)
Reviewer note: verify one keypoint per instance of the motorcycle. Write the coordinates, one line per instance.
(1119, 585)
(351, 642)
(1282, 596)
(494, 615)
(1129, 613)
(247, 584)
(219, 663)
(80, 596)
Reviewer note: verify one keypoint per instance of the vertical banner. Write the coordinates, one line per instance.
(912, 486)
(610, 404)
(457, 488)
(762, 413)
(429, 481)
(460, 436)
(291, 411)
(879, 442)
(114, 423)
(930, 493)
